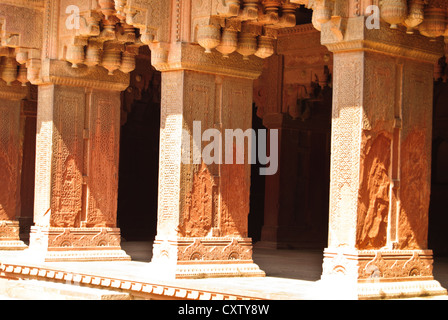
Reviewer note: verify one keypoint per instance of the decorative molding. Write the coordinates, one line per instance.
(380, 265)
(60, 73)
(75, 244)
(385, 40)
(204, 257)
(380, 274)
(184, 56)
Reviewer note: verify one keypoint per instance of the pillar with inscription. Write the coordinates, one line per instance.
(204, 199)
(380, 162)
(10, 157)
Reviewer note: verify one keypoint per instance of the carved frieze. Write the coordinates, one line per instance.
(204, 248)
(378, 265)
(75, 244)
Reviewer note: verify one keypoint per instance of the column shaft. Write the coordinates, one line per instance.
(76, 193)
(203, 205)
(10, 172)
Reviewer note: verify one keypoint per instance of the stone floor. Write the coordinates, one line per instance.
(290, 274)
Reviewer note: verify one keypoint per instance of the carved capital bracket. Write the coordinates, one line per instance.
(187, 56)
(60, 73)
(357, 37)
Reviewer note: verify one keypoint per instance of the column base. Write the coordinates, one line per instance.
(379, 274)
(9, 236)
(75, 244)
(195, 258)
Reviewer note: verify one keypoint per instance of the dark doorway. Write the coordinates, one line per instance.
(257, 188)
(139, 153)
(438, 213)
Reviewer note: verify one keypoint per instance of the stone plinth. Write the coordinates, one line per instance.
(76, 244)
(204, 258)
(379, 274)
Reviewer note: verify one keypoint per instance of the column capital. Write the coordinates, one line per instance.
(351, 34)
(60, 73)
(189, 56)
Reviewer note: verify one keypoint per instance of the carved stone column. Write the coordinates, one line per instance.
(10, 156)
(380, 162)
(77, 146)
(203, 207)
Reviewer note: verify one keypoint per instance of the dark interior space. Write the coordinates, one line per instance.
(257, 189)
(139, 153)
(438, 213)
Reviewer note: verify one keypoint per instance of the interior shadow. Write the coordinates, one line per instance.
(139, 153)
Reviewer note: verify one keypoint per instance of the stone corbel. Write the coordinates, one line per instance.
(128, 63)
(337, 27)
(151, 18)
(21, 64)
(271, 15)
(322, 12)
(75, 51)
(159, 55)
(249, 11)
(229, 8)
(89, 24)
(33, 65)
(288, 18)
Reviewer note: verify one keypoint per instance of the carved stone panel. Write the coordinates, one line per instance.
(67, 159)
(102, 181)
(9, 159)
